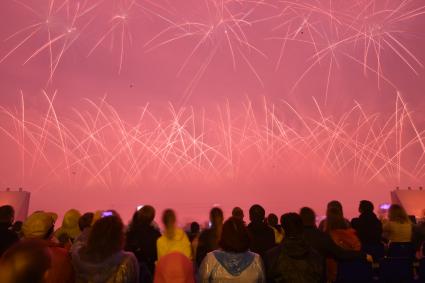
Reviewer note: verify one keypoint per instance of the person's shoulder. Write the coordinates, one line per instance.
(161, 239)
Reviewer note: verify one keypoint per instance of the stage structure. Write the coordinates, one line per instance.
(20, 201)
(413, 200)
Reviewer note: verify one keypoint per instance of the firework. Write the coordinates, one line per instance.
(97, 147)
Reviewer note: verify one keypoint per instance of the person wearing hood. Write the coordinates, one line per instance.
(7, 236)
(294, 260)
(69, 231)
(262, 235)
(367, 225)
(40, 226)
(174, 239)
(102, 259)
(233, 262)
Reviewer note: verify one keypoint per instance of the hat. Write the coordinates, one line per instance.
(37, 225)
(70, 224)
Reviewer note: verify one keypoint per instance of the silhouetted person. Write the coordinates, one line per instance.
(7, 236)
(209, 238)
(322, 242)
(26, 262)
(141, 239)
(194, 234)
(367, 225)
(233, 262)
(194, 231)
(273, 222)
(262, 235)
(294, 260)
(237, 212)
(333, 207)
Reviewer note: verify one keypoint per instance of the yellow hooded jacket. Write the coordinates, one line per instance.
(178, 243)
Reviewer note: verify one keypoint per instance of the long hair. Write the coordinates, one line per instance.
(235, 237)
(397, 213)
(106, 238)
(335, 220)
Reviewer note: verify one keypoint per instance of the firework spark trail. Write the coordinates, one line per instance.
(106, 150)
(221, 29)
(368, 33)
(333, 32)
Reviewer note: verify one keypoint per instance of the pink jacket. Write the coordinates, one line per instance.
(174, 267)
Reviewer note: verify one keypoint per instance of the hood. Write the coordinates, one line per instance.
(70, 224)
(178, 235)
(96, 271)
(296, 248)
(234, 263)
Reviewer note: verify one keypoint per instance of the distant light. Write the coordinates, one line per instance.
(385, 206)
(107, 213)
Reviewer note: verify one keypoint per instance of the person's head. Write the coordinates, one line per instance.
(335, 220)
(238, 213)
(106, 238)
(70, 227)
(7, 215)
(272, 220)
(234, 237)
(39, 225)
(365, 206)
(85, 220)
(169, 218)
(334, 212)
(397, 213)
(27, 261)
(216, 216)
(334, 206)
(143, 217)
(257, 213)
(195, 227)
(17, 227)
(292, 224)
(308, 216)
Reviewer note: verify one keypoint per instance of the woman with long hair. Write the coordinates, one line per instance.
(102, 259)
(398, 228)
(233, 262)
(173, 239)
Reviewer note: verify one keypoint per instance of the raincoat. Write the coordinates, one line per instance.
(220, 266)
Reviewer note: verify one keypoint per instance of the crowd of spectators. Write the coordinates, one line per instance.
(97, 246)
